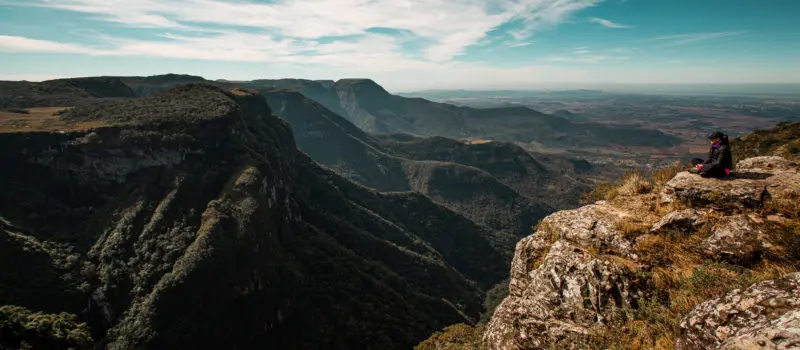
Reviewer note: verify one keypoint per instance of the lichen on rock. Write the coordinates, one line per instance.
(562, 284)
(765, 313)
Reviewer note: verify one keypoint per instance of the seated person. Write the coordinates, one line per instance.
(720, 161)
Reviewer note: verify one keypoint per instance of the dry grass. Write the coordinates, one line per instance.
(631, 229)
(682, 278)
(456, 337)
(601, 191)
(787, 205)
(41, 120)
(656, 324)
(662, 176)
(634, 183)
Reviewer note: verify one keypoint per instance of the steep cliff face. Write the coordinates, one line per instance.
(191, 220)
(662, 269)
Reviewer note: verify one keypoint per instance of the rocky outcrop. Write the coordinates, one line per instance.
(782, 333)
(562, 285)
(748, 187)
(735, 239)
(580, 273)
(766, 163)
(686, 220)
(764, 316)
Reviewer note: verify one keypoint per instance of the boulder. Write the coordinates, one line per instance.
(562, 284)
(687, 219)
(782, 333)
(748, 188)
(571, 291)
(764, 316)
(766, 163)
(597, 225)
(735, 239)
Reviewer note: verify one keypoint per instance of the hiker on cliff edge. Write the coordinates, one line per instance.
(720, 161)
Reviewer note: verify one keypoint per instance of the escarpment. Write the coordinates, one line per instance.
(188, 219)
(698, 264)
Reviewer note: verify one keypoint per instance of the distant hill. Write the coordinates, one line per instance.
(782, 140)
(370, 107)
(61, 92)
(469, 188)
(563, 113)
(145, 86)
(365, 104)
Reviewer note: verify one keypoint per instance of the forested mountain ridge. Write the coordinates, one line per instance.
(189, 219)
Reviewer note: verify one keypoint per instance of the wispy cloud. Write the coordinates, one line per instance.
(22, 44)
(520, 44)
(583, 58)
(447, 26)
(683, 39)
(608, 24)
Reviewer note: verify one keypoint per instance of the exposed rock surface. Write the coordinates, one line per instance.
(782, 333)
(686, 219)
(561, 285)
(764, 316)
(766, 163)
(576, 273)
(597, 225)
(748, 187)
(736, 239)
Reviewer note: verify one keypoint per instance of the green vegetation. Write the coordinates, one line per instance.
(456, 337)
(184, 103)
(21, 328)
(249, 243)
(782, 140)
(61, 92)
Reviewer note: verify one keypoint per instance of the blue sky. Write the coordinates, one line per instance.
(408, 44)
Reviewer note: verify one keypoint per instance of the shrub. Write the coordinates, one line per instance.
(634, 183)
(601, 191)
(494, 297)
(456, 337)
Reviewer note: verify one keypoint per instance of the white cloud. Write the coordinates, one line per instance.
(520, 44)
(608, 24)
(449, 26)
(682, 39)
(22, 44)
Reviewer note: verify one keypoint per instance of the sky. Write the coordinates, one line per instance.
(408, 45)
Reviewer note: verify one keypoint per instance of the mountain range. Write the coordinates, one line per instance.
(365, 104)
(189, 219)
(173, 211)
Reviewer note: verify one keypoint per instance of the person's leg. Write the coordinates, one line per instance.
(717, 173)
(696, 161)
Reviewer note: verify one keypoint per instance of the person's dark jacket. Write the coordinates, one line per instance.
(719, 159)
